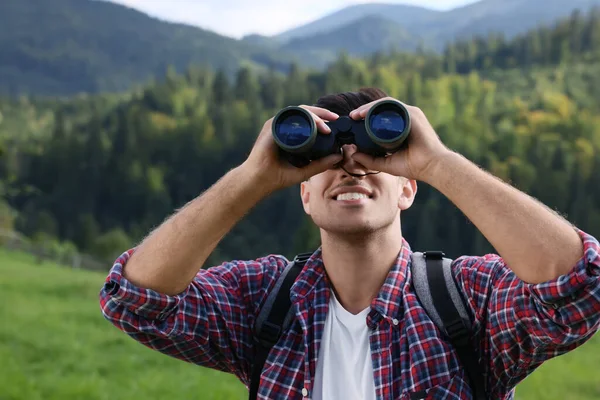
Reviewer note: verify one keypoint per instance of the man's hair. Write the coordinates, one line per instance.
(343, 103)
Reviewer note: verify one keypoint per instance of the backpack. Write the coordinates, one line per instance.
(437, 293)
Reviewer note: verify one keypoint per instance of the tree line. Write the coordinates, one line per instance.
(97, 173)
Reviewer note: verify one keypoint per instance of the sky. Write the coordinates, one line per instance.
(236, 18)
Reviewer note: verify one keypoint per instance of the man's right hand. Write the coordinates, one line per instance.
(169, 257)
(276, 173)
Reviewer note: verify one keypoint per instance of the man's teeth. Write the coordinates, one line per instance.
(351, 196)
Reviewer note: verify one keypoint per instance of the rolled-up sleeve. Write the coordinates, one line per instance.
(119, 294)
(208, 324)
(579, 290)
(521, 325)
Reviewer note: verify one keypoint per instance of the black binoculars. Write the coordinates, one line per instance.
(384, 130)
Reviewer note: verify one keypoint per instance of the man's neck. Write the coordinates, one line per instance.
(358, 267)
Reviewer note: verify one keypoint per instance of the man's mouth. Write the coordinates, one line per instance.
(351, 196)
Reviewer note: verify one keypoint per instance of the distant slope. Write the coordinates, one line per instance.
(261, 40)
(510, 17)
(67, 46)
(62, 47)
(406, 15)
(361, 38)
(76, 354)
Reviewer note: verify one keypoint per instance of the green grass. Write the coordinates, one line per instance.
(55, 344)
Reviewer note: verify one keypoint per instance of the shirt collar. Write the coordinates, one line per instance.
(389, 299)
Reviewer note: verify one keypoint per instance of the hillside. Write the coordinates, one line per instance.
(58, 346)
(365, 36)
(367, 28)
(125, 164)
(406, 16)
(65, 47)
(510, 17)
(68, 46)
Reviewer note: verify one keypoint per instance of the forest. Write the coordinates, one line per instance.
(95, 173)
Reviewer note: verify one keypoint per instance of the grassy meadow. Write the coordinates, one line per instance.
(55, 345)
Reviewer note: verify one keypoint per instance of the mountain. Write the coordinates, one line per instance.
(69, 46)
(434, 28)
(511, 17)
(407, 16)
(361, 38)
(261, 40)
(63, 47)
(99, 173)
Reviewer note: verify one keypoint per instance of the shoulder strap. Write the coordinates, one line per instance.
(438, 293)
(274, 318)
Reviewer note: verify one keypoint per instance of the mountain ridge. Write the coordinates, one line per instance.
(47, 46)
(440, 26)
(350, 14)
(65, 47)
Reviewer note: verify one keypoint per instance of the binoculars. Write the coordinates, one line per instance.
(384, 130)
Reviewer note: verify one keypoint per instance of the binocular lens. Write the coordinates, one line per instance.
(293, 129)
(387, 124)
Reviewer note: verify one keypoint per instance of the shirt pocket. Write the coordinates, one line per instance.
(454, 388)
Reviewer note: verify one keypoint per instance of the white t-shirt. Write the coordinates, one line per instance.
(344, 367)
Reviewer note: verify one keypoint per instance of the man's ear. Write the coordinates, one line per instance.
(305, 195)
(407, 190)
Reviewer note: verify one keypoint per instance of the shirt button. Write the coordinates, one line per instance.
(395, 321)
(304, 392)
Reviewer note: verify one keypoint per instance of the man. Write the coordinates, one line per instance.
(359, 331)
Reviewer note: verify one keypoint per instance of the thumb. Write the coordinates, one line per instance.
(371, 162)
(322, 164)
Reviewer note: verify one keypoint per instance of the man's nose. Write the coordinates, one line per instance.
(348, 163)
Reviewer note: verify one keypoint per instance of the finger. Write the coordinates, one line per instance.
(322, 112)
(372, 163)
(356, 114)
(322, 164)
(361, 111)
(321, 125)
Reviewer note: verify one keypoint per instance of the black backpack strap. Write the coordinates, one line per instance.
(274, 318)
(439, 295)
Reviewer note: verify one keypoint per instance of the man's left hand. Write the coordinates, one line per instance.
(418, 155)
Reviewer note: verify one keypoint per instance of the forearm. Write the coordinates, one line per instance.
(535, 242)
(169, 258)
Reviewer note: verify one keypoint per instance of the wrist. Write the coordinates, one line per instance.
(439, 167)
(261, 184)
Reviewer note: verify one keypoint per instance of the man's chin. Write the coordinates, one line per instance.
(351, 230)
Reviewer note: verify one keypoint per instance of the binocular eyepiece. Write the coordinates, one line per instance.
(383, 131)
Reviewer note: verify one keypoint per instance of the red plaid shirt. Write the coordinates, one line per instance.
(517, 325)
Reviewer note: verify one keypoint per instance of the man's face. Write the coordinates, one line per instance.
(342, 204)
